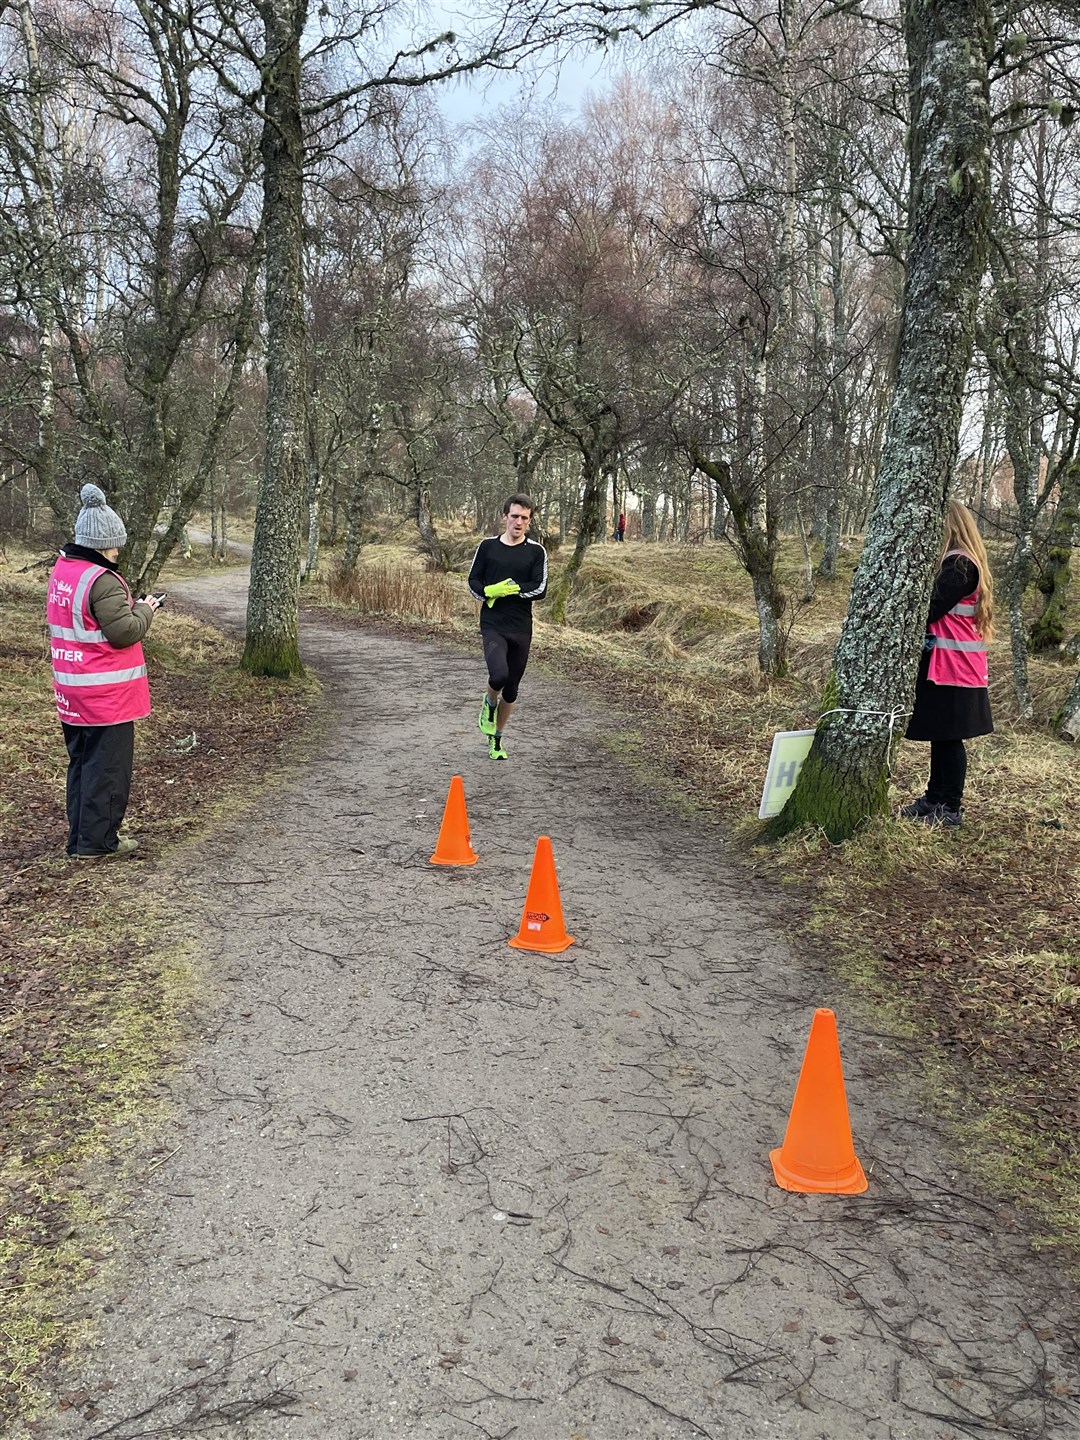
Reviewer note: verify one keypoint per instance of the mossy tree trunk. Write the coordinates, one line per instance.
(1048, 631)
(354, 521)
(272, 646)
(755, 543)
(590, 522)
(1014, 355)
(424, 516)
(648, 515)
(1017, 350)
(1068, 721)
(844, 780)
(315, 477)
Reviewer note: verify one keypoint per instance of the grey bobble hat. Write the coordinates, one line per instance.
(98, 527)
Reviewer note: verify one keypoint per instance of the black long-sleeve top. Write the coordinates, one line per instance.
(527, 564)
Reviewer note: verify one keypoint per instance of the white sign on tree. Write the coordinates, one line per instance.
(789, 749)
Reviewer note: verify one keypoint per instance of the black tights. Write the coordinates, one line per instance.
(948, 771)
(506, 656)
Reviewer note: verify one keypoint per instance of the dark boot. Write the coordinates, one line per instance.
(944, 817)
(918, 809)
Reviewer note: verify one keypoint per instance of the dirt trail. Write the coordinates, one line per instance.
(423, 1184)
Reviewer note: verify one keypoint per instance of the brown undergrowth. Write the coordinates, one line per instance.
(967, 942)
(95, 979)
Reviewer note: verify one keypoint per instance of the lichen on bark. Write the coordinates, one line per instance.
(845, 778)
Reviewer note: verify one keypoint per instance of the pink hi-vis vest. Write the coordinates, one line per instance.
(95, 683)
(958, 656)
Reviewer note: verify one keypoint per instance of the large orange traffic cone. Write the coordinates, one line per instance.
(542, 927)
(454, 847)
(817, 1156)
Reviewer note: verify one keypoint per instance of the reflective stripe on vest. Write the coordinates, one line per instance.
(81, 598)
(84, 636)
(938, 643)
(101, 677)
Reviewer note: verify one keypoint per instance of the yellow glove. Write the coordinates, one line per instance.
(499, 589)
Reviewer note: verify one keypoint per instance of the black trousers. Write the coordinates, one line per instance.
(506, 656)
(100, 761)
(948, 771)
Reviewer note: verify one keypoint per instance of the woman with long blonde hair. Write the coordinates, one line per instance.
(952, 699)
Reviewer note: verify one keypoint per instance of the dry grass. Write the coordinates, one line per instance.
(386, 587)
(972, 938)
(239, 527)
(968, 941)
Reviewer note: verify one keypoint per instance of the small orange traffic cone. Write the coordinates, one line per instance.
(542, 926)
(817, 1156)
(454, 847)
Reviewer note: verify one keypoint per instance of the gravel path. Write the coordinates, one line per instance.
(423, 1184)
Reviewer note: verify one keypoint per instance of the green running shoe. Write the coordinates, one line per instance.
(495, 748)
(486, 719)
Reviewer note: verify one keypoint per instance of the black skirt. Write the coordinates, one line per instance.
(948, 712)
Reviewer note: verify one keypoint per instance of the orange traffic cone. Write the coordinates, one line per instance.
(817, 1156)
(542, 927)
(453, 847)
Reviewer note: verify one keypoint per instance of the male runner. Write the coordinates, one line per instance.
(508, 573)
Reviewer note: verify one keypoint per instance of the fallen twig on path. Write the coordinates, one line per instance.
(656, 1405)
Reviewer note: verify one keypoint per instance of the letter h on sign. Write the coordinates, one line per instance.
(789, 749)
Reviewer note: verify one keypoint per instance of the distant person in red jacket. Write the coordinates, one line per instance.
(620, 528)
(952, 699)
(99, 676)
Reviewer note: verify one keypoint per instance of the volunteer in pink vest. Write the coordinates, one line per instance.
(99, 675)
(952, 702)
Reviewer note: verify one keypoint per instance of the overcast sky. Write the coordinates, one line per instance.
(566, 84)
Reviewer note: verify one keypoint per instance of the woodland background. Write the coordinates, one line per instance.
(242, 253)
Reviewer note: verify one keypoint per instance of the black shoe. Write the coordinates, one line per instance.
(918, 809)
(943, 817)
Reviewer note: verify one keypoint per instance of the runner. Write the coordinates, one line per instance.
(508, 573)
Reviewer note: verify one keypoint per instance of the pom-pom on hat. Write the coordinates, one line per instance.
(98, 527)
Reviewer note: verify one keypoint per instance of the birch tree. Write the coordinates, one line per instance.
(1055, 581)
(507, 424)
(844, 780)
(370, 209)
(742, 161)
(1068, 721)
(135, 183)
(591, 295)
(32, 237)
(353, 43)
